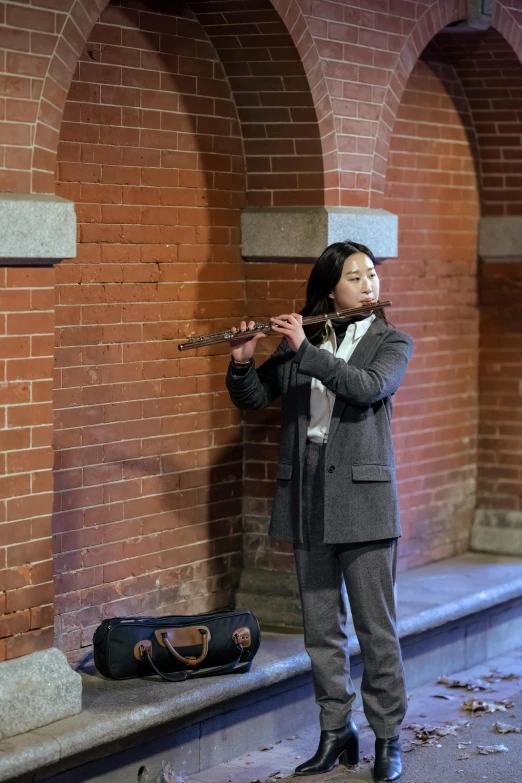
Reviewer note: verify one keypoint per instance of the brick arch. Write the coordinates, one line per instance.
(436, 17)
(508, 22)
(62, 63)
(297, 26)
(275, 76)
(490, 73)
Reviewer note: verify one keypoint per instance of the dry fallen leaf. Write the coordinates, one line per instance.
(505, 728)
(450, 729)
(463, 756)
(475, 685)
(497, 676)
(266, 747)
(475, 705)
(485, 750)
(430, 736)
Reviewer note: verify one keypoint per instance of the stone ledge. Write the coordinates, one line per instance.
(500, 238)
(36, 229)
(498, 531)
(36, 690)
(300, 234)
(429, 598)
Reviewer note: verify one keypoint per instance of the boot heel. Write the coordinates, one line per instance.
(350, 755)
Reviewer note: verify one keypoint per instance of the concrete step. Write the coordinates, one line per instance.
(452, 615)
(437, 763)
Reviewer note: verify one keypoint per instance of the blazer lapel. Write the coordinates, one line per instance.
(361, 356)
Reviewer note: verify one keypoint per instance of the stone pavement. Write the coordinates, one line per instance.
(442, 761)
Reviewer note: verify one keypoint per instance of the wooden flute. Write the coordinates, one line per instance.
(266, 327)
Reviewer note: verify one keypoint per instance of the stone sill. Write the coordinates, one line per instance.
(429, 597)
(36, 229)
(500, 238)
(300, 234)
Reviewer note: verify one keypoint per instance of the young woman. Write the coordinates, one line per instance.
(336, 495)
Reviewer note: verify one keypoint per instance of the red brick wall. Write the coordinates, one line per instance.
(491, 75)
(355, 59)
(500, 433)
(281, 137)
(367, 51)
(26, 458)
(279, 287)
(431, 184)
(148, 445)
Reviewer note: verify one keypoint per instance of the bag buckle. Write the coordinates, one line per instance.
(242, 637)
(142, 648)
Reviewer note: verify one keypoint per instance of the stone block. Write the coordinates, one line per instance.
(261, 721)
(296, 234)
(36, 690)
(273, 596)
(36, 229)
(498, 531)
(500, 238)
(142, 763)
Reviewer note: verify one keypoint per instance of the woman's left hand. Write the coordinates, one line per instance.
(290, 326)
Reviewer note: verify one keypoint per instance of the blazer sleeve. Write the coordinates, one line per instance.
(257, 388)
(359, 387)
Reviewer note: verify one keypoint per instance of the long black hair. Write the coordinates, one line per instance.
(324, 276)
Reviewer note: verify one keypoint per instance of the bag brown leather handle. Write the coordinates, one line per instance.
(185, 637)
(228, 668)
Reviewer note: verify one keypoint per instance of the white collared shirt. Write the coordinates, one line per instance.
(321, 399)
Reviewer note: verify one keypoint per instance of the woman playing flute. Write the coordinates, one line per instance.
(336, 494)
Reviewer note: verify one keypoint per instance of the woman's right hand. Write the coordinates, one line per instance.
(243, 349)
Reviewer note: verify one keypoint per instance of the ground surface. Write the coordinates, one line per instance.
(441, 761)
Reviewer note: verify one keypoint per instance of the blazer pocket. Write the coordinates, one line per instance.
(372, 473)
(284, 470)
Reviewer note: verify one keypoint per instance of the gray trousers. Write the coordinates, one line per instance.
(368, 570)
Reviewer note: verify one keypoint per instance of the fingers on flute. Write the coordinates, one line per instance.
(242, 327)
(282, 322)
(287, 318)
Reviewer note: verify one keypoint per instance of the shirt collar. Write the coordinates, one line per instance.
(359, 327)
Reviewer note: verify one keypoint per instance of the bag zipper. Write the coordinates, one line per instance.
(179, 619)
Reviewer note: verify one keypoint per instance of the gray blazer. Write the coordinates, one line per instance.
(361, 502)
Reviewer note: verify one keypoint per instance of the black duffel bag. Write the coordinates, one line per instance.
(176, 647)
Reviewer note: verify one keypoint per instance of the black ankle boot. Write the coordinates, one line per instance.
(342, 744)
(388, 766)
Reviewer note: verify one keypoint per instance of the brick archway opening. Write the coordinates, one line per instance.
(149, 449)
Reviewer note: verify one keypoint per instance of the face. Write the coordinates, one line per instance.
(358, 283)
